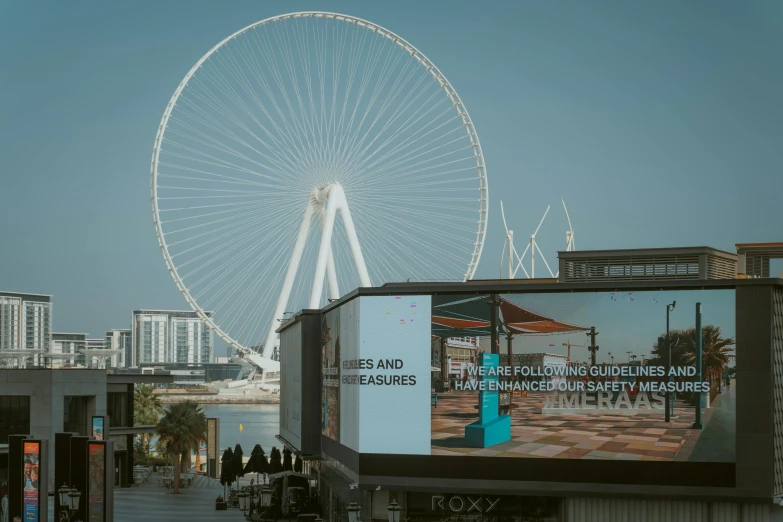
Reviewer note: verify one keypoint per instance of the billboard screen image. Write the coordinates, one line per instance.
(96, 477)
(588, 377)
(32, 455)
(97, 428)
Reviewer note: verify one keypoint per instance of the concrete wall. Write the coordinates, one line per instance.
(47, 390)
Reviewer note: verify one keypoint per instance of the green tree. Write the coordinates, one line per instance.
(147, 409)
(181, 428)
(660, 354)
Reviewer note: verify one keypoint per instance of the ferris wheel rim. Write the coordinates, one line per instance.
(445, 85)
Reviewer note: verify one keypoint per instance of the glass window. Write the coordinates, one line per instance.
(75, 415)
(14, 416)
(117, 409)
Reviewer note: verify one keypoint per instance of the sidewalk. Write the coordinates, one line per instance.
(717, 441)
(151, 503)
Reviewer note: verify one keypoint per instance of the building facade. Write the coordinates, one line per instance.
(162, 336)
(356, 401)
(97, 354)
(42, 402)
(25, 324)
(120, 341)
(67, 349)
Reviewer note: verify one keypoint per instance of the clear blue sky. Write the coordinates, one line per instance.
(660, 123)
(625, 321)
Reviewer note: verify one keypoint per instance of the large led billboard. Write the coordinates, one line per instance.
(561, 399)
(417, 375)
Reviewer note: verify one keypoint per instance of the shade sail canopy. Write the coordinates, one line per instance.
(470, 317)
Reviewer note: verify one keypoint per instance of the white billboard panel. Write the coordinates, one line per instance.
(394, 406)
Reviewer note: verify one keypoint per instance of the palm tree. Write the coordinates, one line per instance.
(147, 409)
(182, 427)
(202, 438)
(716, 350)
(659, 354)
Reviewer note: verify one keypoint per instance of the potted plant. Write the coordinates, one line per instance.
(220, 504)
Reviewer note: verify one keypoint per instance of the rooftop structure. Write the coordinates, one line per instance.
(646, 264)
(753, 258)
(121, 340)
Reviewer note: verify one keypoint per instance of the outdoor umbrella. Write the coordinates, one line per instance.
(262, 464)
(226, 472)
(250, 467)
(298, 464)
(288, 464)
(275, 464)
(238, 471)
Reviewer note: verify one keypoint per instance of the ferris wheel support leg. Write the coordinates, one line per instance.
(288, 283)
(331, 274)
(325, 247)
(336, 201)
(353, 241)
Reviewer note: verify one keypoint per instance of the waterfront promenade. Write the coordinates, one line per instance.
(151, 502)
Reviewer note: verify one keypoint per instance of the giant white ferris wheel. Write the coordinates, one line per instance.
(308, 150)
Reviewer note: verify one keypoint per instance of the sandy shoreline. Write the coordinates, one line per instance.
(216, 399)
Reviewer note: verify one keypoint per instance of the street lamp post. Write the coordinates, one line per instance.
(265, 500)
(697, 424)
(242, 496)
(69, 502)
(353, 512)
(668, 404)
(252, 491)
(394, 511)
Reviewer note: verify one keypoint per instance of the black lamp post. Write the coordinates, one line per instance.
(242, 497)
(69, 502)
(265, 499)
(353, 512)
(697, 425)
(668, 404)
(394, 511)
(251, 493)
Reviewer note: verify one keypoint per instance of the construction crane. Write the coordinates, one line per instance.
(569, 345)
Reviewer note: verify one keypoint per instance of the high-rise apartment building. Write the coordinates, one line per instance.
(96, 354)
(165, 336)
(120, 340)
(64, 344)
(26, 324)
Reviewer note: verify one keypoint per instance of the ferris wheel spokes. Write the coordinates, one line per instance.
(324, 203)
(285, 122)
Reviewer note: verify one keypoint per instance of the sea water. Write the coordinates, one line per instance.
(244, 424)
(259, 424)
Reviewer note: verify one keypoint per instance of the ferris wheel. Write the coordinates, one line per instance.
(309, 150)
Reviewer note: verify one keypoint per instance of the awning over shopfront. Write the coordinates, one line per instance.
(470, 317)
